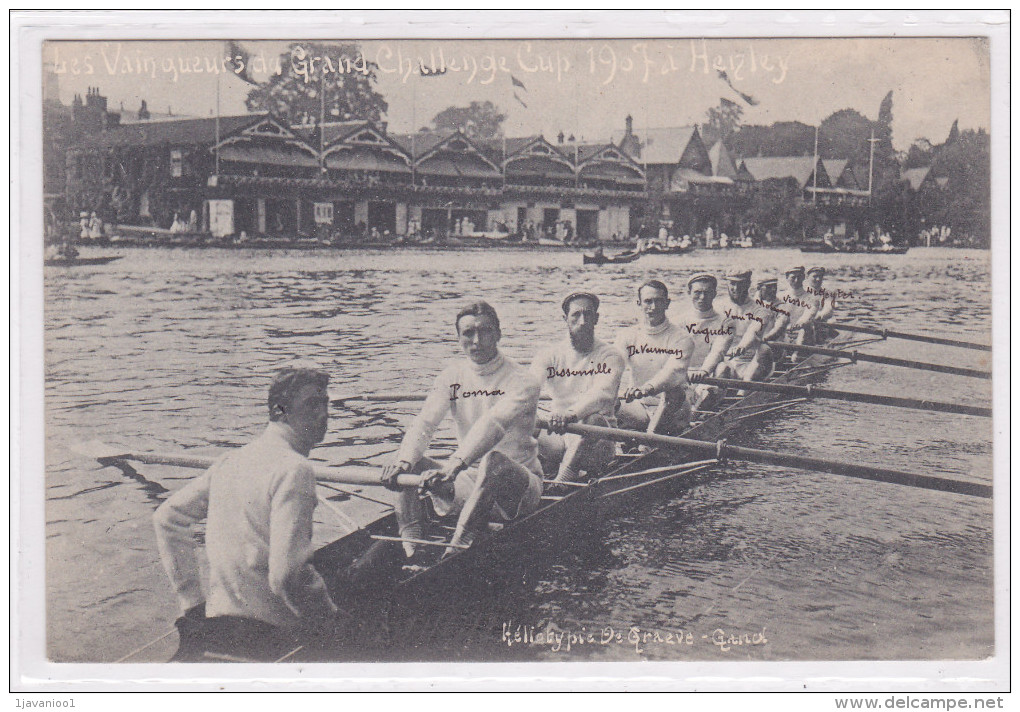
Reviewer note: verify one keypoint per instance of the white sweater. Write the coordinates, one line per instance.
(258, 502)
(712, 333)
(657, 355)
(493, 407)
(583, 383)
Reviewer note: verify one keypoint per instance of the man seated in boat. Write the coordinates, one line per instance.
(657, 352)
(495, 471)
(824, 304)
(257, 503)
(749, 320)
(711, 332)
(582, 374)
(799, 303)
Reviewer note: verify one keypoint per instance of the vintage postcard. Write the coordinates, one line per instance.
(371, 342)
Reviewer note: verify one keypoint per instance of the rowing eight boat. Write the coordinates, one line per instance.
(564, 512)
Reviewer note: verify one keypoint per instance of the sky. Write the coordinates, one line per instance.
(581, 87)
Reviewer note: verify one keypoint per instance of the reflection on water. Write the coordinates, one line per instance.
(171, 350)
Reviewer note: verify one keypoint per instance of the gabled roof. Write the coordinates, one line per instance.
(835, 167)
(662, 145)
(451, 145)
(722, 163)
(610, 154)
(501, 149)
(266, 131)
(420, 143)
(361, 136)
(798, 167)
(915, 176)
(183, 132)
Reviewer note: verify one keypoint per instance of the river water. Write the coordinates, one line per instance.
(172, 350)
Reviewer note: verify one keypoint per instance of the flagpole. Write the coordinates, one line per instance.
(814, 191)
(217, 151)
(322, 123)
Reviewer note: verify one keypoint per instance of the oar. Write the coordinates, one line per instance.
(350, 475)
(889, 334)
(813, 392)
(887, 360)
(720, 450)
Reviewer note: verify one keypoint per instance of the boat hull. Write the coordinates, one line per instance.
(79, 261)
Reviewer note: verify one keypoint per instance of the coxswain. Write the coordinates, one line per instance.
(824, 304)
(711, 332)
(494, 474)
(257, 502)
(657, 352)
(582, 375)
(749, 319)
(799, 303)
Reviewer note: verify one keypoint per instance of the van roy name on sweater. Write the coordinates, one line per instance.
(749, 316)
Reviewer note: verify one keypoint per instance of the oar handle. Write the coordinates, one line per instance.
(887, 360)
(368, 476)
(924, 338)
(721, 450)
(815, 392)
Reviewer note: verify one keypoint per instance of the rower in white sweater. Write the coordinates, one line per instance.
(582, 375)
(712, 332)
(657, 352)
(493, 402)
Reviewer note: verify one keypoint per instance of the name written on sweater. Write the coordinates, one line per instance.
(456, 392)
(749, 316)
(646, 349)
(706, 332)
(565, 372)
(796, 302)
(771, 307)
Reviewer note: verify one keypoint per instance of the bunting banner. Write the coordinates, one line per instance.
(746, 97)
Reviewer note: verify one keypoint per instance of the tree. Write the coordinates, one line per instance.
(783, 138)
(723, 121)
(340, 70)
(954, 133)
(480, 119)
(844, 135)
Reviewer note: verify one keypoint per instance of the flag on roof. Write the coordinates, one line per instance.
(517, 82)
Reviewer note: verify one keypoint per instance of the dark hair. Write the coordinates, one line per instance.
(479, 308)
(287, 382)
(654, 284)
(579, 295)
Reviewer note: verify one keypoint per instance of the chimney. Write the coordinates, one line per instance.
(559, 137)
(630, 126)
(143, 112)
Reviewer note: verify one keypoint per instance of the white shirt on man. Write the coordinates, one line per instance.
(258, 503)
(656, 355)
(583, 383)
(494, 406)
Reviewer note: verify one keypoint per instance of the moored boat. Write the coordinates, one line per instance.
(79, 261)
(621, 258)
